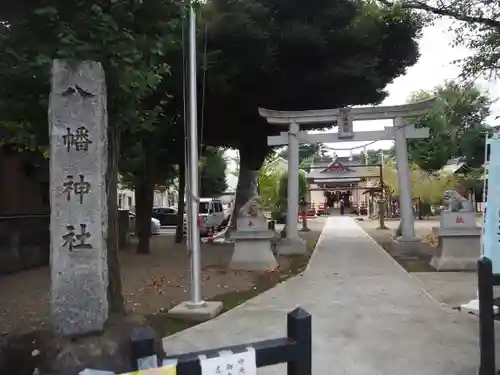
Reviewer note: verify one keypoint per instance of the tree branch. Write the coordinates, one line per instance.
(446, 12)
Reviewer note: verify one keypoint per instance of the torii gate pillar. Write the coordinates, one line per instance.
(293, 243)
(400, 132)
(403, 169)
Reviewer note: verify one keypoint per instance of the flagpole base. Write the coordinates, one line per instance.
(196, 312)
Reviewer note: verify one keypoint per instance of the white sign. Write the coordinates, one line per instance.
(230, 364)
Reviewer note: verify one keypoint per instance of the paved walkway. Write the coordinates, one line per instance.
(369, 316)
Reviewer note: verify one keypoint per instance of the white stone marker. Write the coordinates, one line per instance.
(78, 218)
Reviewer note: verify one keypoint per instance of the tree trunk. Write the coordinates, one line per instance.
(145, 197)
(115, 298)
(144, 205)
(250, 163)
(399, 229)
(179, 231)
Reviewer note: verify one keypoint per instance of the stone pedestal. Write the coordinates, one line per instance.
(459, 242)
(252, 245)
(292, 246)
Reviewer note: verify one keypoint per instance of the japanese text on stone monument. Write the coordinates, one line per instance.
(78, 157)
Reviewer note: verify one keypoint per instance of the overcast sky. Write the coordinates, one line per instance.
(434, 67)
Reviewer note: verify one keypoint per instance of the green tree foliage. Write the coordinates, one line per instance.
(308, 154)
(283, 190)
(478, 29)
(312, 153)
(255, 47)
(372, 157)
(281, 54)
(457, 127)
(269, 181)
(213, 172)
(429, 188)
(379, 156)
(131, 39)
(313, 150)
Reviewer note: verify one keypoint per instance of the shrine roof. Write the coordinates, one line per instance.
(341, 170)
(337, 180)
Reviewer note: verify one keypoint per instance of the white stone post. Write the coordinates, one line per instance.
(403, 170)
(78, 206)
(292, 204)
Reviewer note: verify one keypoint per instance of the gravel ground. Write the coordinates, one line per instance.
(151, 283)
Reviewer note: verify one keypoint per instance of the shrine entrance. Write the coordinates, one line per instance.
(343, 118)
(336, 178)
(333, 198)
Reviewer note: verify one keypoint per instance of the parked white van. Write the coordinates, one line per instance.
(211, 214)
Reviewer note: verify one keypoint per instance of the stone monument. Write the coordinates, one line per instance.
(459, 236)
(78, 219)
(252, 240)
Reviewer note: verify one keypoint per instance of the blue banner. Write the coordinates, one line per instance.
(491, 222)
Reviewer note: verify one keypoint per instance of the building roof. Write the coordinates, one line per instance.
(341, 170)
(455, 165)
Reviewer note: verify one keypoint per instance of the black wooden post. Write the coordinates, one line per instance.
(486, 317)
(142, 345)
(299, 329)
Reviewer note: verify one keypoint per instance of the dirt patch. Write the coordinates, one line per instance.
(152, 283)
(416, 259)
(289, 266)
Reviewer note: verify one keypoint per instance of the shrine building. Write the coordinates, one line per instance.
(348, 178)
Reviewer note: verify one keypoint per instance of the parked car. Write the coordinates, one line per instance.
(155, 224)
(166, 215)
(211, 214)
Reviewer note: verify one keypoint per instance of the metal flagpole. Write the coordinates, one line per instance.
(195, 309)
(194, 190)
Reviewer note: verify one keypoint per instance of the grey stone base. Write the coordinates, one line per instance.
(58, 355)
(450, 263)
(253, 250)
(409, 244)
(201, 313)
(408, 240)
(253, 255)
(292, 246)
(457, 253)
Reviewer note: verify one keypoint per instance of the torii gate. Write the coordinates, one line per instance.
(344, 117)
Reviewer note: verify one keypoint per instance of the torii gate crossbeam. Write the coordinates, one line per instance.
(344, 118)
